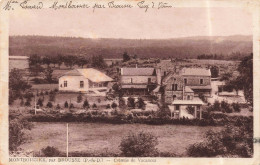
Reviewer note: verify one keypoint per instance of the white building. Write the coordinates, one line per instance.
(84, 80)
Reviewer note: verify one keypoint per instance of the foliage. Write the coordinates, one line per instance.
(71, 105)
(94, 105)
(190, 110)
(16, 132)
(28, 102)
(164, 112)
(214, 71)
(236, 107)
(122, 104)
(66, 104)
(233, 141)
(16, 82)
(86, 104)
(52, 96)
(108, 106)
(141, 144)
(40, 102)
(131, 102)
(79, 98)
(48, 74)
(114, 105)
(226, 107)
(202, 97)
(58, 106)
(126, 57)
(245, 69)
(49, 105)
(98, 62)
(50, 152)
(140, 103)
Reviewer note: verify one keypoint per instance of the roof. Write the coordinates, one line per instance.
(157, 89)
(201, 87)
(138, 71)
(195, 101)
(134, 86)
(188, 89)
(89, 73)
(195, 72)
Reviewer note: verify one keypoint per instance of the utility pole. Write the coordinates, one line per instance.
(67, 139)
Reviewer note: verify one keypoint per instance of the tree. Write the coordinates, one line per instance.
(36, 69)
(214, 71)
(46, 60)
(40, 102)
(141, 144)
(66, 105)
(114, 105)
(86, 104)
(34, 60)
(60, 60)
(16, 82)
(98, 62)
(81, 61)
(16, 132)
(140, 103)
(79, 98)
(48, 74)
(245, 69)
(69, 60)
(49, 105)
(226, 76)
(131, 102)
(126, 57)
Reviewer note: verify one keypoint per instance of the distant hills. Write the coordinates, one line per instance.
(187, 47)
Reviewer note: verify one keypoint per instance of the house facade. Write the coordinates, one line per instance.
(84, 80)
(139, 81)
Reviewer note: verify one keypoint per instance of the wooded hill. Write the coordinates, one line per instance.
(188, 47)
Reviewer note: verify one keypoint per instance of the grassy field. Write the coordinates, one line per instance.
(99, 138)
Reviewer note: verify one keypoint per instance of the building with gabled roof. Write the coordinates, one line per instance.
(84, 80)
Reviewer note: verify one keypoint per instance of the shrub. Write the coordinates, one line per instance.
(226, 107)
(122, 103)
(50, 152)
(114, 105)
(28, 102)
(52, 96)
(71, 105)
(108, 106)
(131, 102)
(49, 104)
(40, 102)
(79, 98)
(94, 105)
(190, 110)
(58, 106)
(140, 103)
(139, 145)
(86, 104)
(216, 106)
(66, 105)
(236, 107)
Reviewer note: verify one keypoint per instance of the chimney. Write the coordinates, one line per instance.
(158, 76)
(121, 71)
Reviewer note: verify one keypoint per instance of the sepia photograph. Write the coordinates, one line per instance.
(126, 81)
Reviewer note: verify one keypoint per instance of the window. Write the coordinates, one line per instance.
(100, 85)
(65, 83)
(177, 107)
(174, 97)
(201, 81)
(81, 84)
(185, 81)
(149, 80)
(174, 87)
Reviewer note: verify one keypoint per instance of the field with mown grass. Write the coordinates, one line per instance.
(101, 138)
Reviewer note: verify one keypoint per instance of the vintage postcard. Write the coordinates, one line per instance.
(129, 82)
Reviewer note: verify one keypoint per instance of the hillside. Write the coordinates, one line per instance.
(188, 47)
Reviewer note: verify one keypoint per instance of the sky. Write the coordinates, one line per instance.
(132, 23)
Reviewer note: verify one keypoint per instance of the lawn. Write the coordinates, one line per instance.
(99, 138)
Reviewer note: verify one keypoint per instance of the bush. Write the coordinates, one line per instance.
(66, 105)
(236, 107)
(79, 98)
(139, 145)
(131, 102)
(71, 105)
(40, 102)
(108, 106)
(50, 152)
(94, 105)
(190, 110)
(226, 107)
(114, 105)
(86, 104)
(49, 104)
(140, 103)
(28, 102)
(58, 106)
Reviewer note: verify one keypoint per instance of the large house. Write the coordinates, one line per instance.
(139, 81)
(84, 80)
